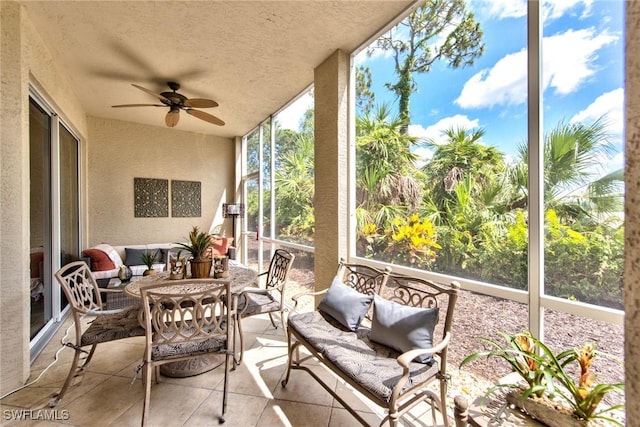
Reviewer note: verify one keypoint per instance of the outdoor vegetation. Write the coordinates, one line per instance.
(464, 211)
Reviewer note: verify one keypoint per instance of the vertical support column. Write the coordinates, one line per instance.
(14, 209)
(331, 81)
(631, 214)
(536, 180)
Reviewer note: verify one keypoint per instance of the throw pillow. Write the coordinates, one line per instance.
(100, 261)
(403, 328)
(345, 304)
(134, 256)
(111, 253)
(220, 245)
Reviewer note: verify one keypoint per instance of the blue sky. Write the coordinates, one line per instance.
(583, 76)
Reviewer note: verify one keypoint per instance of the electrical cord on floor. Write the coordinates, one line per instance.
(55, 359)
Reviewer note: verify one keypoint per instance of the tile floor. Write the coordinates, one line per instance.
(108, 395)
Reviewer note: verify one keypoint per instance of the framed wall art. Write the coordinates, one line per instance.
(151, 197)
(185, 198)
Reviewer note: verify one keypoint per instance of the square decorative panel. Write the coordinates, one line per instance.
(151, 197)
(185, 198)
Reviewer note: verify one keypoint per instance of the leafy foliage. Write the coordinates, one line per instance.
(437, 30)
(199, 243)
(548, 373)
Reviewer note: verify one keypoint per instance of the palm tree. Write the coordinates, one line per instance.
(573, 162)
(295, 189)
(386, 176)
(458, 156)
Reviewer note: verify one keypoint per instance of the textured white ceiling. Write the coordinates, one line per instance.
(250, 56)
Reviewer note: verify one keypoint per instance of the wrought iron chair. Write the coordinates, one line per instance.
(84, 297)
(270, 299)
(186, 319)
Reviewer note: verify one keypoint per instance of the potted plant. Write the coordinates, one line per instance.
(199, 245)
(148, 259)
(550, 392)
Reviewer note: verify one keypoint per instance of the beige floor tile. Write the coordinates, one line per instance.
(303, 388)
(287, 413)
(356, 400)
(342, 418)
(242, 410)
(170, 405)
(256, 396)
(103, 404)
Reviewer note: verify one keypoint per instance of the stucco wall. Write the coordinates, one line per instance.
(24, 59)
(632, 219)
(331, 94)
(118, 152)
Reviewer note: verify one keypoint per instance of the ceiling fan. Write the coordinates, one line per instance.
(176, 102)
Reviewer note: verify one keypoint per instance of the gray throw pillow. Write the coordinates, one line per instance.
(403, 328)
(345, 304)
(134, 256)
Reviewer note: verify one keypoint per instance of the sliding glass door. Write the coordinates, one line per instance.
(54, 214)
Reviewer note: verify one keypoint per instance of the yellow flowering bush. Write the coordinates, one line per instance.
(413, 240)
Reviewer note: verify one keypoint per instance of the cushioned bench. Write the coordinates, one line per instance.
(385, 345)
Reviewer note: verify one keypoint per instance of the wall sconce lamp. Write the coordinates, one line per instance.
(233, 210)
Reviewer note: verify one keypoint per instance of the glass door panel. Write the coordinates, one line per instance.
(40, 218)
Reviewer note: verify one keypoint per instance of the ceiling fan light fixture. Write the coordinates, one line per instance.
(176, 102)
(172, 118)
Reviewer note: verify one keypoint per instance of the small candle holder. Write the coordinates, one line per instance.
(220, 267)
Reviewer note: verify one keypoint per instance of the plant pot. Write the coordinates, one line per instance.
(200, 269)
(149, 272)
(548, 412)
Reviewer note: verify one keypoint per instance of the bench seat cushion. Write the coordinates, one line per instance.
(371, 365)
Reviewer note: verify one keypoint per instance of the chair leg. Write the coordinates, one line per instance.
(283, 320)
(75, 371)
(227, 362)
(443, 401)
(147, 372)
(237, 361)
(273, 323)
(291, 349)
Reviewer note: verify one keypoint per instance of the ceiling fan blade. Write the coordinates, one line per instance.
(200, 103)
(138, 105)
(172, 117)
(152, 93)
(205, 116)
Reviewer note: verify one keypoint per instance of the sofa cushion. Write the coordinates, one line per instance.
(369, 364)
(133, 256)
(345, 304)
(402, 327)
(100, 261)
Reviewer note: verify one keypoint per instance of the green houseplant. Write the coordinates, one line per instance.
(149, 258)
(547, 377)
(199, 245)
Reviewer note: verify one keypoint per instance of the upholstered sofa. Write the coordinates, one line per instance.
(105, 260)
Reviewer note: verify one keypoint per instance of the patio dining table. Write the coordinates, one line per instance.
(240, 277)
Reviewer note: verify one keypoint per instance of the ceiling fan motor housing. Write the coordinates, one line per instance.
(175, 98)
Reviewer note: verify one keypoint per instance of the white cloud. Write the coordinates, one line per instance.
(551, 9)
(504, 84)
(500, 9)
(568, 60)
(554, 9)
(569, 57)
(434, 132)
(424, 155)
(611, 105)
(289, 118)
